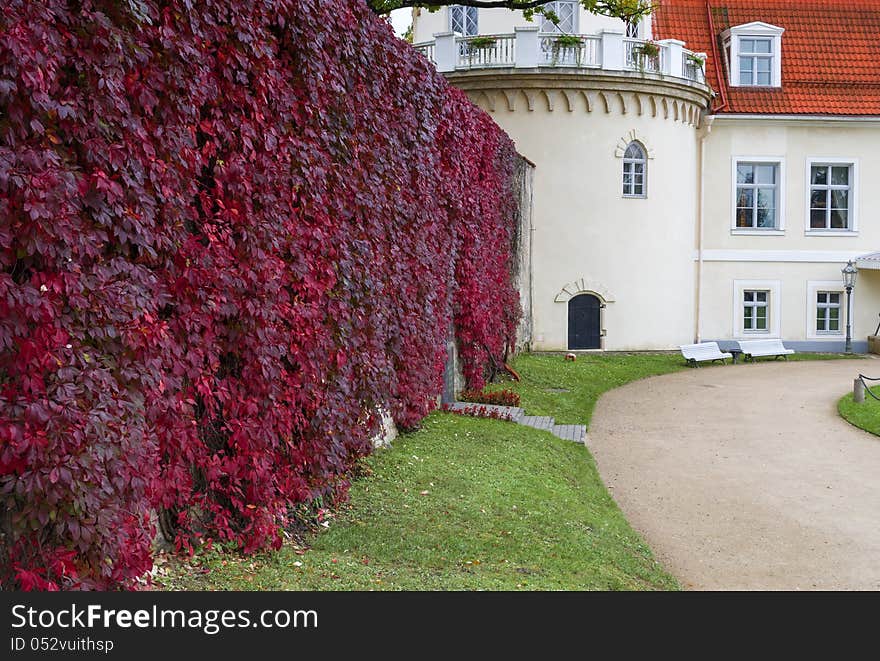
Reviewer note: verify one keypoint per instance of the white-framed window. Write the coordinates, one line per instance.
(756, 307)
(826, 310)
(831, 196)
(632, 29)
(757, 186)
(566, 12)
(464, 20)
(755, 61)
(635, 170)
(754, 55)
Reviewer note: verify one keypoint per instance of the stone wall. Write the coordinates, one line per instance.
(523, 267)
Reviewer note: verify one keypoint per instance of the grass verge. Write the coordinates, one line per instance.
(569, 391)
(864, 416)
(462, 504)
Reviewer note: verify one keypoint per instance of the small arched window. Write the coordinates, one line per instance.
(635, 165)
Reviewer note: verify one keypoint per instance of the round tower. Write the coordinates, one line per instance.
(613, 126)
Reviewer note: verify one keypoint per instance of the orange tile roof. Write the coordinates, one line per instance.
(830, 52)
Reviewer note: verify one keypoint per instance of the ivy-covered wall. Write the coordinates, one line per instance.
(230, 232)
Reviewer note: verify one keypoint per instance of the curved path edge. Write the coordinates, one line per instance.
(745, 477)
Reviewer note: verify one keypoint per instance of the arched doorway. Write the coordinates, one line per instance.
(584, 322)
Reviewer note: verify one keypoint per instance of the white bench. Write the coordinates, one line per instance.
(697, 353)
(752, 349)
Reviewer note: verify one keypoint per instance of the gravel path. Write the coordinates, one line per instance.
(744, 477)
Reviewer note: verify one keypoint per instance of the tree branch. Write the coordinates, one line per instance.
(384, 6)
(628, 10)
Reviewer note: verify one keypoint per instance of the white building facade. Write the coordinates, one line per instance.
(701, 176)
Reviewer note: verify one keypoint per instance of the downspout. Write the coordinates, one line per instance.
(531, 255)
(705, 130)
(716, 60)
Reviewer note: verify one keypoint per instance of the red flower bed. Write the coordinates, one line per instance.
(498, 397)
(480, 411)
(228, 234)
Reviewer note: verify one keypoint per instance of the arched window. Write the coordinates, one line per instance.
(635, 166)
(464, 20)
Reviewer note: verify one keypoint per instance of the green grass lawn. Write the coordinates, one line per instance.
(462, 504)
(568, 390)
(864, 416)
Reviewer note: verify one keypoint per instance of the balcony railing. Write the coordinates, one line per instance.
(693, 66)
(426, 49)
(636, 57)
(528, 48)
(486, 51)
(556, 53)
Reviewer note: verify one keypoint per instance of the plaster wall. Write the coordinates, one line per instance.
(636, 254)
(794, 255)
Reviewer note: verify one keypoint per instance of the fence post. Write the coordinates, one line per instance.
(673, 63)
(445, 51)
(858, 391)
(528, 46)
(612, 50)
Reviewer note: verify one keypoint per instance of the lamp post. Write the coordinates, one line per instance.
(849, 282)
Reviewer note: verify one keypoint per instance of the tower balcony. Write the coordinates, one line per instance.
(527, 48)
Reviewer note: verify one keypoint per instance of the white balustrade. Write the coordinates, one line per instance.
(529, 48)
(644, 56)
(694, 66)
(486, 51)
(569, 50)
(426, 49)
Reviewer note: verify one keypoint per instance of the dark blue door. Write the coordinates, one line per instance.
(584, 325)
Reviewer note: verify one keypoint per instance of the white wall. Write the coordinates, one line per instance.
(636, 252)
(794, 256)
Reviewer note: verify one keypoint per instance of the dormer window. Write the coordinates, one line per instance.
(755, 62)
(754, 55)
